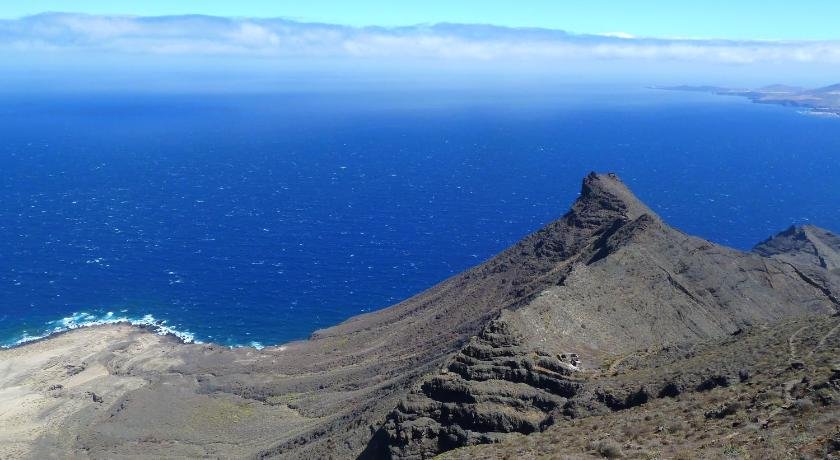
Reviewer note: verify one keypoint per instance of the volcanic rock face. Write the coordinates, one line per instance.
(491, 387)
(812, 251)
(628, 282)
(510, 347)
(767, 392)
(804, 245)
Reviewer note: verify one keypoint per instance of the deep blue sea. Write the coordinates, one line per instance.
(258, 218)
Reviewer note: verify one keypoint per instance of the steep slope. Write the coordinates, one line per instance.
(638, 284)
(812, 251)
(467, 361)
(392, 348)
(327, 395)
(769, 392)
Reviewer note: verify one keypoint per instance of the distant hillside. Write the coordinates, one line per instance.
(781, 89)
(820, 101)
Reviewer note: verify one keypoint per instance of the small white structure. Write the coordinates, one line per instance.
(571, 358)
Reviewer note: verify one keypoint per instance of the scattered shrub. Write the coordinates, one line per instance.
(802, 406)
(634, 430)
(685, 455)
(726, 410)
(609, 449)
(733, 451)
(675, 426)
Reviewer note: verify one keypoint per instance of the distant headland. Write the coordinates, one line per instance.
(820, 101)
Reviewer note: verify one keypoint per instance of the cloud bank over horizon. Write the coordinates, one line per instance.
(281, 38)
(70, 52)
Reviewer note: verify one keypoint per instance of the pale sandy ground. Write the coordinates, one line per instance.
(119, 391)
(43, 383)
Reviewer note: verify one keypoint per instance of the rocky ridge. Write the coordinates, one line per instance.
(513, 346)
(637, 284)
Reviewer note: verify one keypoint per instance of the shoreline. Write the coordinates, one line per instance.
(151, 329)
(79, 320)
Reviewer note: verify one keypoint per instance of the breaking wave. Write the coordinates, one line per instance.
(84, 319)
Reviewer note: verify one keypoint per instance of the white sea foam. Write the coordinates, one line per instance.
(253, 344)
(84, 319)
(819, 113)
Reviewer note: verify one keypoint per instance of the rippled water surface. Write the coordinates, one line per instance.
(257, 219)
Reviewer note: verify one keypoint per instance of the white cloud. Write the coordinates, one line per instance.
(211, 36)
(254, 36)
(617, 35)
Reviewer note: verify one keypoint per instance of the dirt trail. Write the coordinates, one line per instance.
(823, 339)
(789, 385)
(792, 342)
(618, 362)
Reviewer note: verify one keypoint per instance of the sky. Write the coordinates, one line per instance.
(52, 44)
(741, 19)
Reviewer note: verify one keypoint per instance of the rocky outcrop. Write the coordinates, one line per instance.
(813, 252)
(491, 387)
(771, 391)
(804, 245)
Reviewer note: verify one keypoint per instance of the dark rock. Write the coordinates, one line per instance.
(621, 401)
(493, 386)
(832, 445)
(713, 382)
(73, 369)
(670, 390)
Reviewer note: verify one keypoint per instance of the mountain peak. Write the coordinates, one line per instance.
(804, 244)
(604, 197)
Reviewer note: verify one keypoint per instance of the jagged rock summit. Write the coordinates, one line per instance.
(804, 245)
(512, 346)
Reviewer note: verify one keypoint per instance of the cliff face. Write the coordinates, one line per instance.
(509, 346)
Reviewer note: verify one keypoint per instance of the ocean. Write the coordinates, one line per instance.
(255, 219)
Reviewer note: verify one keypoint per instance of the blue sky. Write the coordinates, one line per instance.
(741, 19)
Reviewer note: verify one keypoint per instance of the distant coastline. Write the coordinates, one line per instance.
(823, 102)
